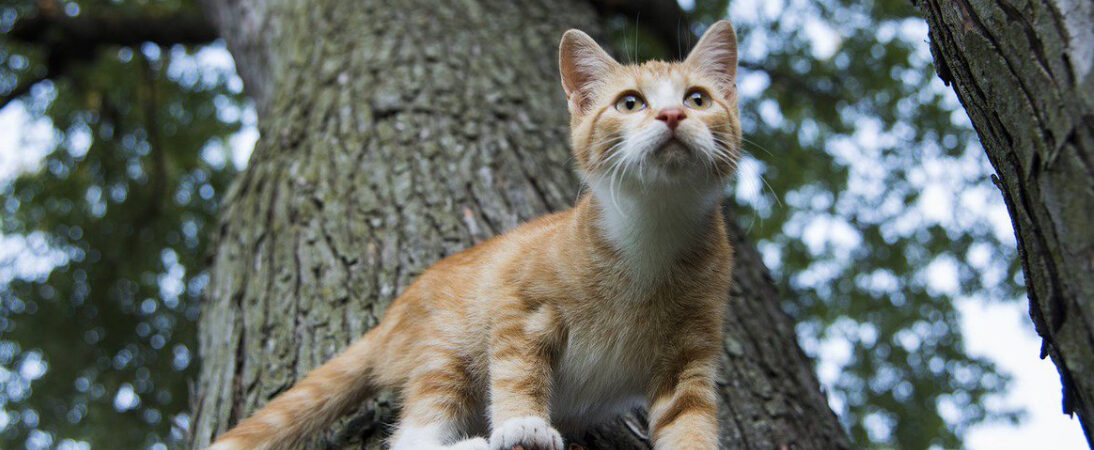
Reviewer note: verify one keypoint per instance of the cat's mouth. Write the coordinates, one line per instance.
(673, 145)
(673, 152)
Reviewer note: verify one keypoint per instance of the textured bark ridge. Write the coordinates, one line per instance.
(394, 134)
(1023, 70)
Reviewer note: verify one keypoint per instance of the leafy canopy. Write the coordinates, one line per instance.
(97, 345)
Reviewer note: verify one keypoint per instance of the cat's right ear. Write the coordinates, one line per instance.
(583, 65)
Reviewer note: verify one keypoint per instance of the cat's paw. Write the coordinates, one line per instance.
(470, 444)
(528, 433)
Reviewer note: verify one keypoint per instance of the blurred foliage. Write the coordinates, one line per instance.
(868, 192)
(855, 148)
(100, 347)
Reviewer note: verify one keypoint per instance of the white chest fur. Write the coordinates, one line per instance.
(603, 372)
(650, 227)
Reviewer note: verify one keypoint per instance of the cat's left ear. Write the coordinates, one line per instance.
(716, 53)
(583, 66)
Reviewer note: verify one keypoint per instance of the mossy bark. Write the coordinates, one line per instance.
(1023, 69)
(396, 133)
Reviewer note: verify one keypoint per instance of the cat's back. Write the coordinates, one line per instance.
(460, 283)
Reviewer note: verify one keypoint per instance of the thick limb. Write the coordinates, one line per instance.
(520, 381)
(439, 406)
(684, 407)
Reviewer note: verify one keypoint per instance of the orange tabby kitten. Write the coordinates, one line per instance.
(576, 317)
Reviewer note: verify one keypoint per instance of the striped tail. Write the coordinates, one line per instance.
(323, 396)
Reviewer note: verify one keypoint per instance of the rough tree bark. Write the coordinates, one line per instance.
(395, 133)
(1023, 70)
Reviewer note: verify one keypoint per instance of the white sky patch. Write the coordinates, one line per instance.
(171, 283)
(24, 141)
(770, 112)
(820, 274)
(825, 39)
(206, 67)
(749, 187)
(126, 398)
(771, 254)
(242, 143)
(752, 84)
(915, 30)
(942, 276)
(823, 231)
(835, 354)
(27, 257)
(39, 440)
(214, 153)
(1003, 333)
(69, 444)
(936, 203)
(878, 281)
(78, 140)
(33, 367)
(746, 11)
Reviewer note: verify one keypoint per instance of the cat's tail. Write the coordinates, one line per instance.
(323, 396)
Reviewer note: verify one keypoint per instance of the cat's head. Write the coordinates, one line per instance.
(657, 123)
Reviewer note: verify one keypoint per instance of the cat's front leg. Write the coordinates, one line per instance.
(684, 405)
(524, 343)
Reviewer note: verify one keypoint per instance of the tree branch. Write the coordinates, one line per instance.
(666, 19)
(66, 40)
(670, 24)
(113, 28)
(20, 89)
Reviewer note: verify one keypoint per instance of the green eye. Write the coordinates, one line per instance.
(630, 103)
(697, 99)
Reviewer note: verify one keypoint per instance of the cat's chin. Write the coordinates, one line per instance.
(675, 159)
(673, 152)
(671, 164)
(685, 173)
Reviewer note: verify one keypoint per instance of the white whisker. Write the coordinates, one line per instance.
(611, 186)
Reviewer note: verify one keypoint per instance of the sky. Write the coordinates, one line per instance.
(998, 330)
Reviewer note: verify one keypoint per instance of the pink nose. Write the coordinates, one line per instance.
(672, 116)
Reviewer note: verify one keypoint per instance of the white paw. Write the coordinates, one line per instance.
(531, 433)
(470, 444)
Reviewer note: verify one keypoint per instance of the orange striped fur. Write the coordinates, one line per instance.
(576, 317)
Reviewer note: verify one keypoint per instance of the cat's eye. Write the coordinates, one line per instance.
(697, 99)
(630, 103)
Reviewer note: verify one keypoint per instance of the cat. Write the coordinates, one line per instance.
(577, 317)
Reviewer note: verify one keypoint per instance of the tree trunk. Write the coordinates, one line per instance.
(396, 133)
(1023, 70)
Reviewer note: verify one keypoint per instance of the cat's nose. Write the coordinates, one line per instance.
(672, 116)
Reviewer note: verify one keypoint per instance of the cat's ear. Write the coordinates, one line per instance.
(583, 65)
(716, 53)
